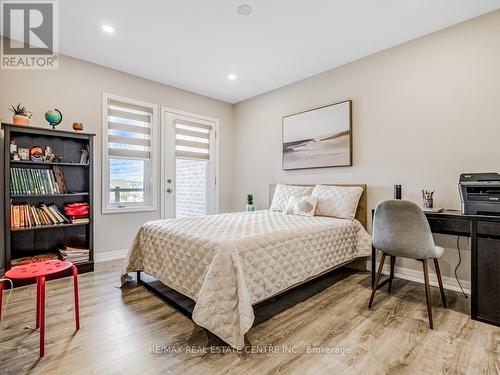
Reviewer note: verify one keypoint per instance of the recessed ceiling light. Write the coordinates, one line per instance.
(244, 10)
(108, 29)
(231, 77)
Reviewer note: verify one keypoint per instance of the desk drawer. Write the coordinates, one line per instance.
(488, 228)
(447, 225)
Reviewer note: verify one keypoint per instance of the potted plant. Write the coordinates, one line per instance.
(21, 115)
(250, 206)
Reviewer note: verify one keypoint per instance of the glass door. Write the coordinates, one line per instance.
(189, 166)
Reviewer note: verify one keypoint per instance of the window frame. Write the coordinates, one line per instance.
(152, 180)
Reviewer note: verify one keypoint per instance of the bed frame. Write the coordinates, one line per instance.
(185, 305)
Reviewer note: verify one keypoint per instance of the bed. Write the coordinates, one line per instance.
(227, 263)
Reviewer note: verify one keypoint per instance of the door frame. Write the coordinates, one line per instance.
(164, 148)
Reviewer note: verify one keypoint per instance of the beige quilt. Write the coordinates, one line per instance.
(226, 263)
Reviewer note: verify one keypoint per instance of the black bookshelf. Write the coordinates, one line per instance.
(31, 241)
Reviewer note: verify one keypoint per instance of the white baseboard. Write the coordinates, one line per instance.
(449, 283)
(110, 255)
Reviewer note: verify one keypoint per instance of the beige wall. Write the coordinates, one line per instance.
(423, 112)
(76, 89)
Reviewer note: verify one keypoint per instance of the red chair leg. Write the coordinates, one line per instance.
(1, 296)
(75, 285)
(41, 280)
(37, 325)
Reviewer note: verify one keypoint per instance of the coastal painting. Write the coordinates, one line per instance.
(318, 138)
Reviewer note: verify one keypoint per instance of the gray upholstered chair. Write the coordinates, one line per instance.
(400, 229)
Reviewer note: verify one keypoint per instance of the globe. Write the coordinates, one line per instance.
(54, 117)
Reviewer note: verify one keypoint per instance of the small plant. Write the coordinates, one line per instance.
(250, 199)
(20, 110)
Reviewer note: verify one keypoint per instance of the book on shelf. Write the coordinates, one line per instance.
(84, 156)
(23, 215)
(81, 220)
(77, 212)
(31, 181)
(59, 178)
(74, 254)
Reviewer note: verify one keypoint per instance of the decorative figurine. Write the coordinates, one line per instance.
(49, 154)
(54, 117)
(15, 156)
(77, 126)
(13, 147)
(36, 154)
(24, 153)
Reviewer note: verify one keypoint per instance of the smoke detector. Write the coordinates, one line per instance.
(244, 10)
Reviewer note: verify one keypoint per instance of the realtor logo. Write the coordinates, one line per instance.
(30, 35)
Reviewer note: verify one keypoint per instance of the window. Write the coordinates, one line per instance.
(192, 167)
(129, 149)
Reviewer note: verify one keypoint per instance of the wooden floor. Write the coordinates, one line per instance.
(121, 328)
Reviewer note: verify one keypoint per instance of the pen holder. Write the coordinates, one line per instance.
(428, 199)
(428, 203)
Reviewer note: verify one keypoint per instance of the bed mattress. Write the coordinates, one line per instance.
(228, 262)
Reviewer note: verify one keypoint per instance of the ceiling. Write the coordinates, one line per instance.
(195, 44)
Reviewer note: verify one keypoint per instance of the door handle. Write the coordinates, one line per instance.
(169, 190)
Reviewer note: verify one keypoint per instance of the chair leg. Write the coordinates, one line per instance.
(427, 292)
(75, 286)
(37, 324)
(391, 277)
(440, 281)
(1, 296)
(379, 273)
(41, 280)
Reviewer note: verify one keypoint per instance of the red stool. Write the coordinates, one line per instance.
(40, 270)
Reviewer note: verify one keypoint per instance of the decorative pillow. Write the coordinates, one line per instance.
(337, 201)
(284, 192)
(303, 205)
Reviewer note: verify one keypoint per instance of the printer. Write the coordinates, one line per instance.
(480, 193)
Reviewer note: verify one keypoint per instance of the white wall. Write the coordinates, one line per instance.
(76, 89)
(423, 112)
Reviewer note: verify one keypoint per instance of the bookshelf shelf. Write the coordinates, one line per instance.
(79, 264)
(26, 175)
(47, 227)
(24, 196)
(31, 163)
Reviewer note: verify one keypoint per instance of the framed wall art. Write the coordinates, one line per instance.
(318, 138)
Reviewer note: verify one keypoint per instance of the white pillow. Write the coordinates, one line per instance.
(337, 201)
(284, 192)
(301, 205)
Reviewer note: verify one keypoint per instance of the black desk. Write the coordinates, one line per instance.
(484, 232)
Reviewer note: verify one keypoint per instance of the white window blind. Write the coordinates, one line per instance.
(129, 130)
(129, 155)
(192, 140)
